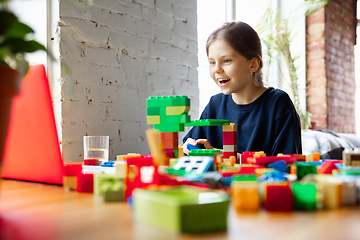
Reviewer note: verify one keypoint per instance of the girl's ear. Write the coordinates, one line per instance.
(254, 65)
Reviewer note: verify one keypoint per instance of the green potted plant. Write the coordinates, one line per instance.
(15, 41)
(277, 34)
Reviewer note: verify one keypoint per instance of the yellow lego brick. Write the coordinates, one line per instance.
(355, 163)
(156, 148)
(245, 196)
(151, 120)
(120, 169)
(332, 195)
(259, 154)
(177, 110)
(70, 182)
(312, 157)
(229, 127)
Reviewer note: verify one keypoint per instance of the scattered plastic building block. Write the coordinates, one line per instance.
(156, 148)
(279, 165)
(351, 157)
(191, 147)
(327, 167)
(302, 169)
(304, 196)
(273, 177)
(127, 156)
(213, 179)
(312, 157)
(244, 193)
(104, 182)
(195, 164)
(205, 152)
(278, 197)
(182, 209)
(270, 159)
(141, 172)
(70, 182)
(71, 171)
(91, 162)
(85, 183)
(207, 122)
(107, 164)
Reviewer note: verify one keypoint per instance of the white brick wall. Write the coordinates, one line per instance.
(119, 53)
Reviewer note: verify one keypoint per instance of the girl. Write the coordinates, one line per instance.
(266, 118)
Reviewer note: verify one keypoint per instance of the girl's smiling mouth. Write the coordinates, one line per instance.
(223, 82)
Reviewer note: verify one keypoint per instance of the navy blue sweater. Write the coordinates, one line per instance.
(270, 123)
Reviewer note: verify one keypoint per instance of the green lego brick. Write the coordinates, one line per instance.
(182, 118)
(204, 152)
(166, 101)
(114, 196)
(171, 171)
(304, 196)
(302, 169)
(171, 127)
(182, 209)
(152, 111)
(244, 177)
(208, 122)
(104, 182)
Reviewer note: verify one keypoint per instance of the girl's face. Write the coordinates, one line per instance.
(229, 69)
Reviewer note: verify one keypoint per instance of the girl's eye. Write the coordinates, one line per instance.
(227, 61)
(212, 63)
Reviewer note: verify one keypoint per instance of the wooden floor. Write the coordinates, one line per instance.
(40, 211)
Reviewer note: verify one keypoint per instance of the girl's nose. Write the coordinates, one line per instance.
(218, 69)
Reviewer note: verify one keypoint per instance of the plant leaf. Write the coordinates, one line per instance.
(7, 21)
(16, 45)
(18, 30)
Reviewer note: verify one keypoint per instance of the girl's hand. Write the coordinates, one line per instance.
(205, 142)
(188, 141)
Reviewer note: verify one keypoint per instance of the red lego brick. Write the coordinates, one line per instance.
(327, 167)
(270, 159)
(85, 183)
(229, 135)
(245, 156)
(72, 169)
(229, 141)
(278, 197)
(169, 136)
(92, 162)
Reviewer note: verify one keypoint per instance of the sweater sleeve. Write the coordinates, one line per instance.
(288, 138)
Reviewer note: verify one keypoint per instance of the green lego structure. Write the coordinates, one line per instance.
(168, 114)
(182, 209)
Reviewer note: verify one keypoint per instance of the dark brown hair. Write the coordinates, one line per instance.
(243, 39)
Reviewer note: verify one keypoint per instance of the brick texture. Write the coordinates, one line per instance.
(119, 53)
(330, 66)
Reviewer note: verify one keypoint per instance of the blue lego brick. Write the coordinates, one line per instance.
(108, 164)
(208, 122)
(279, 165)
(191, 147)
(226, 181)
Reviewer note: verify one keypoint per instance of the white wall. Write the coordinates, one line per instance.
(119, 53)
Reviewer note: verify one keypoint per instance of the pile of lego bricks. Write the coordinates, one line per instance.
(188, 189)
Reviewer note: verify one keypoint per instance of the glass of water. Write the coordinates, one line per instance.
(96, 147)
